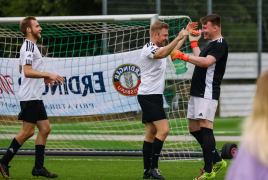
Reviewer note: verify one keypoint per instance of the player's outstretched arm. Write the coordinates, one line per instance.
(202, 61)
(190, 27)
(194, 36)
(164, 52)
(30, 73)
(198, 61)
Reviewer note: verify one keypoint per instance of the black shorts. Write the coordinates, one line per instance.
(32, 111)
(152, 107)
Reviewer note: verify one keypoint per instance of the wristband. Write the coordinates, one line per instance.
(194, 44)
(185, 57)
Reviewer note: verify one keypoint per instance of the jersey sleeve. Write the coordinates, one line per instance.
(26, 58)
(150, 51)
(217, 51)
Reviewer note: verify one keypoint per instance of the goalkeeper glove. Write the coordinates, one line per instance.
(175, 54)
(194, 36)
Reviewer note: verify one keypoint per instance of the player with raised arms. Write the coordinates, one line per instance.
(210, 65)
(33, 112)
(152, 63)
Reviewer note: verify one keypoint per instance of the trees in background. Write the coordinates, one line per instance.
(239, 17)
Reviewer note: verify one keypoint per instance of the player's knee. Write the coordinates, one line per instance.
(46, 130)
(28, 134)
(165, 132)
(191, 129)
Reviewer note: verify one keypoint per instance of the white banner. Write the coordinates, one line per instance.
(94, 85)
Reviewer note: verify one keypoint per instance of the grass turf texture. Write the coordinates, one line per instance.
(72, 168)
(94, 144)
(222, 126)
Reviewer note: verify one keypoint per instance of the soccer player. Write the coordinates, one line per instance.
(150, 94)
(32, 112)
(210, 64)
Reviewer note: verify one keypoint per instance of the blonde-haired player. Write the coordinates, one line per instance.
(152, 63)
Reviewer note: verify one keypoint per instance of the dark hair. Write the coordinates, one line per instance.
(157, 26)
(213, 18)
(26, 22)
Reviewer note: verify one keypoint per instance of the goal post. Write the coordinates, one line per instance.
(96, 111)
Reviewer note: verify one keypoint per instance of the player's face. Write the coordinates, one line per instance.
(208, 30)
(36, 29)
(162, 38)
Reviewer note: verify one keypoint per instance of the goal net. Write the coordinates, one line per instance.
(96, 111)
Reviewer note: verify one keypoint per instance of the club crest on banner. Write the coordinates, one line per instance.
(126, 79)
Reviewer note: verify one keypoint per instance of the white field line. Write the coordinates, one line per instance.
(112, 131)
(112, 160)
(119, 137)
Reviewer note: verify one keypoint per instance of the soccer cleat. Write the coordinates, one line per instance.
(4, 171)
(43, 172)
(155, 173)
(146, 176)
(205, 175)
(218, 166)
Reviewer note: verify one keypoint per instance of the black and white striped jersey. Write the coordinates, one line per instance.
(206, 81)
(31, 88)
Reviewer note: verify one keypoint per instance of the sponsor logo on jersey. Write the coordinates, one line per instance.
(126, 79)
(29, 55)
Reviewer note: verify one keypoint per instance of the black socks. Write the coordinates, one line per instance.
(157, 147)
(208, 147)
(147, 152)
(39, 156)
(199, 138)
(11, 152)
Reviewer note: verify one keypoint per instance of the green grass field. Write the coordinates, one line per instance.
(96, 134)
(222, 126)
(77, 168)
(112, 168)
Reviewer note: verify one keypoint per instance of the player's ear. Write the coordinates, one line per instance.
(28, 29)
(215, 28)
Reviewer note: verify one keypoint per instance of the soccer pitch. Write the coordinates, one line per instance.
(222, 126)
(77, 168)
(113, 134)
(112, 168)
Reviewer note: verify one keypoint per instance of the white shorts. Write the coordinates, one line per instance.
(201, 108)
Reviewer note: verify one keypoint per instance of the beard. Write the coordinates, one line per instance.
(36, 35)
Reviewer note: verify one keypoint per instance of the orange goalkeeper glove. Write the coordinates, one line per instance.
(176, 54)
(194, 36)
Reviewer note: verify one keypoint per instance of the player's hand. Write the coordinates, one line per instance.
(176, 54)
(194, 35)
(182, 34)
(57, 78)
(49, 81)
(191, 26)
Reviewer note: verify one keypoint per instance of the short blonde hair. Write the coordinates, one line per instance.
(25, 23)
(255, 127)
(157, 27)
